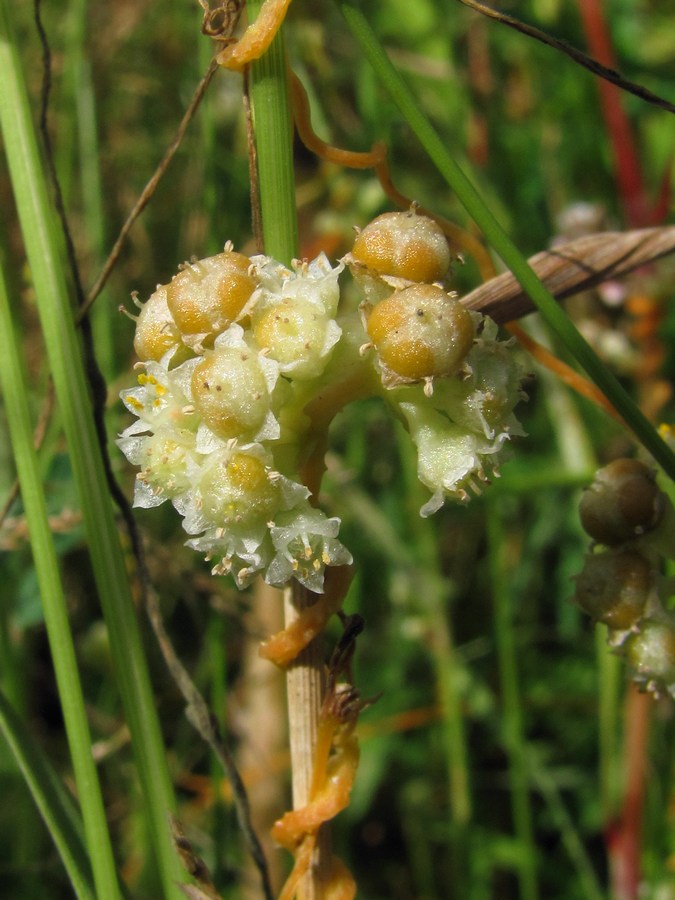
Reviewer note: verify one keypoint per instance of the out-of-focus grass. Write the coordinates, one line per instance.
(484, 766)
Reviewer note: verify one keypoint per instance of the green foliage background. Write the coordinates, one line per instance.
(492, 763)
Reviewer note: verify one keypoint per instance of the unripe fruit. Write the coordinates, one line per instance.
(403, 245)
(237, 488)
(208, 295)
(623, 503)
(613, 588)
(651, 653)
(421, 332)
(156, 330)
(230, 392)
(297, 334)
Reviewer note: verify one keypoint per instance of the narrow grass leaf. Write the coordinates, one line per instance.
(17, 406)
(41, 238)
(55, 805)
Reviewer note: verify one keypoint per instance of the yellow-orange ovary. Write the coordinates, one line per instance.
(404, 245)
(156, 330)
(421, 332)
(208, 295)
(241, 488)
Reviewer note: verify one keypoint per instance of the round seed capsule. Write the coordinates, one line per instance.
(238, 488)
(156, 331)
(208, 295)
(421, 332)
(297, 334)
(651, 652)
(230, 392)
(613, 587)
(623, 503)
(405, 245)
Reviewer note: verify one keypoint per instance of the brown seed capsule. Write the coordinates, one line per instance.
(403, 245)
(623, 503)
(421, 332)
(613, 587)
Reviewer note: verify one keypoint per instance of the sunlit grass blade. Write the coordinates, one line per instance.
(512, 706)
(55, 805)
(495, 235)
(272, 123)
(17, 406)
(41, 239)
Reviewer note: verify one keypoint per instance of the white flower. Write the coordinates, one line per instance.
(315, 281)
(237, 485)
(241, 551)
(450, 457)
(306, 542)
(163, 396)
(168, 461)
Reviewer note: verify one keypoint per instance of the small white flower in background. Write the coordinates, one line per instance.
(292, 314)
(168, 463)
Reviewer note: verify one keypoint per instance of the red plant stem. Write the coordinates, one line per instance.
(623, 837)
(626, 159)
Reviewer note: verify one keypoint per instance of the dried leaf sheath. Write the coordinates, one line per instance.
(573, 267)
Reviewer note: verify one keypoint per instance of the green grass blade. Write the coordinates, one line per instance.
(42, 244)
(512, 707)
(55, 805)
(17, 405)
(273, 128)
(501, 243)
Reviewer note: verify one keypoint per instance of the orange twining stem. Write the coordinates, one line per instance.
(257, 37)
(375, 158)
(284, 646)
(564, 372)
(332, 782)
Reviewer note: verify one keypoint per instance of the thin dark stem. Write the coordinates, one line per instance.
(148, 190)
(587, 62)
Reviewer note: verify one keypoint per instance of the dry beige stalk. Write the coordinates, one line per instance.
(305, 681)
(572, 268)
(261, 724)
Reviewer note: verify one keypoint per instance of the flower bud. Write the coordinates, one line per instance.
(623, 503)
(404, 245)
(156, 331)
(297, 334)
(614, 587)
(208, 295)
(421, 332)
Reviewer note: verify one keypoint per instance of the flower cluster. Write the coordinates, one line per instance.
(447, 375)
(206, 426)
(242, 357)
(631, 523)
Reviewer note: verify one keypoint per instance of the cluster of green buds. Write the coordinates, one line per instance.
(621, 585)
(245, 361)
